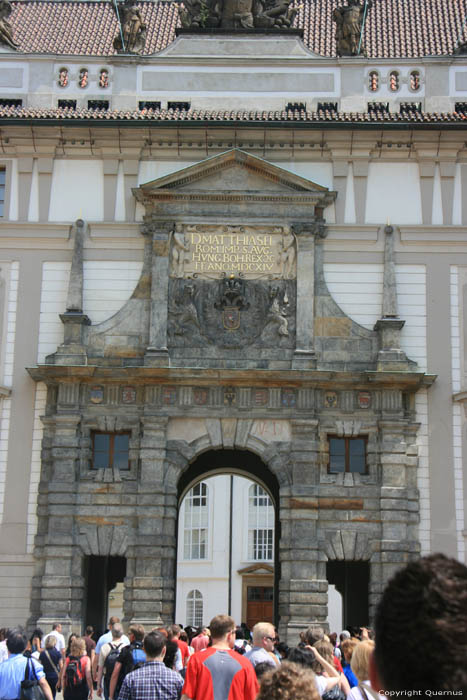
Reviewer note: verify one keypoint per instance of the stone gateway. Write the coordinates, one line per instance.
(267, 347)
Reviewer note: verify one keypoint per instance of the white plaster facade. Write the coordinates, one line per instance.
(414, 180)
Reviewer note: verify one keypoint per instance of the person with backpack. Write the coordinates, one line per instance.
(131, 658)
(75, 680)
(108, 657)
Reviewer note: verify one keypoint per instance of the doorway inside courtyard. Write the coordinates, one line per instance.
(349, 583)
(104, 578)
(227, 540)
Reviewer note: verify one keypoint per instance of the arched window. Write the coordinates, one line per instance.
(373, 81)
(194, 609)
(260, 524)
(394, 81)
(196, 516)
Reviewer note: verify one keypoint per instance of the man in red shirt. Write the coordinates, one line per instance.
(219, 672)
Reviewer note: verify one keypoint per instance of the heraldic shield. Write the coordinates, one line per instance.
(231, 318)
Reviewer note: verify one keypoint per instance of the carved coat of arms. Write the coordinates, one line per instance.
(231, 312)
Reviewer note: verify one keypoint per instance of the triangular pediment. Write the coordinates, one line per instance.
(257, 570)
(232, 171)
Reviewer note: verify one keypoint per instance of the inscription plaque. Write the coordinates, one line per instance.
(213, 251)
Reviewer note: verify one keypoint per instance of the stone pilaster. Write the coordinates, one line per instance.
(149, 593)
(25, 166)
(340, 169)
(130, 178)
(427, 180)
(399, 501)
(157, 354)
(44, 169)
(303, 588)
(304, 355)
(447, 172)
(360, 174)
(62, 583)
(110, 188)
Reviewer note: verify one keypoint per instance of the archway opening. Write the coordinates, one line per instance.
(228, 533)
(352, 580)
(104, 589)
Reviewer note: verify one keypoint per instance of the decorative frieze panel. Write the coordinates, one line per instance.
(270, 398)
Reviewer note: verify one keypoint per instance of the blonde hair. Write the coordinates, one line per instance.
(326, 651)
(347, 648)
(50, 641)
(288, 682)
(77, 647)
(360, 663)
(262, 629)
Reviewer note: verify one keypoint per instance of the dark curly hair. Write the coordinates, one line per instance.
(288, 682)
(421, 627)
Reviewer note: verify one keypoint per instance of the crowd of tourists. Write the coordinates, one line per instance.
(418, 647)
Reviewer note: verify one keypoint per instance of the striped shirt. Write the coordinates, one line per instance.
(153, 681)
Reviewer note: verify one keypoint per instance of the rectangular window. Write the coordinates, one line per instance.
(196, 516)
(260, 544)
(111, 450)
(2, 191)
(347, 455)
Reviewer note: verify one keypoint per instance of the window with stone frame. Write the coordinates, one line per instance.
(2, 191)
(196, 522)
(194, 609)
(260, 524)
(110, 450)
(347, 454)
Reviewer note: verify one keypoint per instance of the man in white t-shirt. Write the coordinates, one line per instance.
(57, 633)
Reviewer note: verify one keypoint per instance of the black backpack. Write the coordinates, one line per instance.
(111, 659)
(135, 657)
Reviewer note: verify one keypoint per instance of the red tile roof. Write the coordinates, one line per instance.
(193, 117)
(395, 28)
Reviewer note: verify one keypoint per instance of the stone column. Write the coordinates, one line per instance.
(304, 355)
(303, 586)
(150, 592)
(157, 354)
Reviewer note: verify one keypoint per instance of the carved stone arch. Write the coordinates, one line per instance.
(104, 540)
(228, 434)
(346, 545)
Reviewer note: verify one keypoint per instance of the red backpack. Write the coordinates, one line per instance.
(75, 671)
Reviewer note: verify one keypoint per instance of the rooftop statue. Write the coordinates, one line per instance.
(6, 32)
(132, 37)
(237, 14)
(350, 20)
